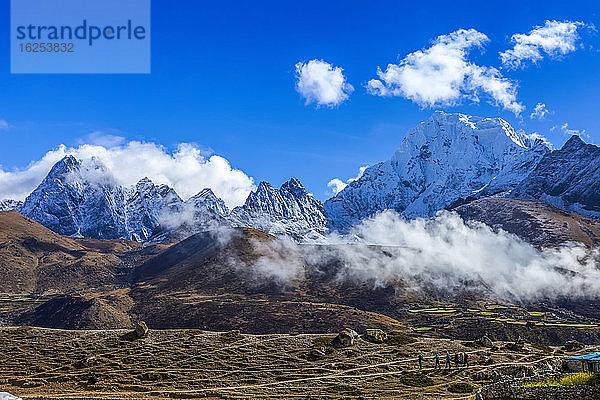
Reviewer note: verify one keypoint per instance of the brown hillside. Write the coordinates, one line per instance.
(534, 221)
(246, 279)
(33, 259)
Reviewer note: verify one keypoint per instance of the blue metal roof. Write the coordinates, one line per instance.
(588, 357)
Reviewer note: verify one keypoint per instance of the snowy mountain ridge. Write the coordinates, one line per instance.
(448, 157)
(82, 198)
(289, 210)
(439, 163)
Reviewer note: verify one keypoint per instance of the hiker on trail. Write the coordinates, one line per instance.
(456, 360)
(437, 361)
(420, 360)
(448, 360)
(466, 358)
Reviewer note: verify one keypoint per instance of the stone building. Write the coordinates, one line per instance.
(587, 363)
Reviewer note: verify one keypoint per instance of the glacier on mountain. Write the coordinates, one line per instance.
(448, 157)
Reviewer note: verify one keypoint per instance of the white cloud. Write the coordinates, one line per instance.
(3, 124)
(337, 185)
(539, 111)
(447, 254)
(554, 39)
(450, 254)
(102, 139)
(441, 75)
(537, 136)
(321, 83)
(564, 128)
(187, 169)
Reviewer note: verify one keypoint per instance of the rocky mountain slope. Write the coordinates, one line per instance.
(534, 221)
(82, 198)
(248, 280)
(441, 162)
(8, 205)
(567, 178)
(443, 159)
(289, 210)
(35, 260)
(257, 281)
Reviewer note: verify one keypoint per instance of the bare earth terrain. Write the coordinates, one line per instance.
(88, 294)
(47, 363)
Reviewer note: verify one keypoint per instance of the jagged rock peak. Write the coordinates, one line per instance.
(295, 187)
(447, 157)
(9, 205)
(575, 142)
(64, 166)
(206, 199)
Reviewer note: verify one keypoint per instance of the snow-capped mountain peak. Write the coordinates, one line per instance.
(575, 142)
(442, 161)
(447, 157)
(567, 178)
(82, 197)
(206, 199)
(8, 205)
(477, 123)
(289, 210)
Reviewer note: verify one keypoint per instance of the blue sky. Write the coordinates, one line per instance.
(223, 77)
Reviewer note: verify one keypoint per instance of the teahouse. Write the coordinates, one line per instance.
(587, 362)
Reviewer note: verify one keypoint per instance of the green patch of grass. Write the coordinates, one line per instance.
(495, 307)
(423, 328)
(323, 341)
(542, 347)
(230, 337)
(396, 338)
(537, 313)
(416, 379)
(461, 387)
(567, 325)
(344, 390)
(434, 310)
(580, 378)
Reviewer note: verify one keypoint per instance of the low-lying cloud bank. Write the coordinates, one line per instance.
(449, 254)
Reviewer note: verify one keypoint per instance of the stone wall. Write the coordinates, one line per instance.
(513, 390)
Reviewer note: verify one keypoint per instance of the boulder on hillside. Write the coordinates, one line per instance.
(484, 341)
(376, 335)
(573, 345)
(141, 330)
(316, 354)
(347, 337)
(8, 396)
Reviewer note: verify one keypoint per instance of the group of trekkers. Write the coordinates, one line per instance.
(459, 359)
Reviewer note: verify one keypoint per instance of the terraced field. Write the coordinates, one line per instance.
(11, 305)
(45, 363)
(552, 326)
